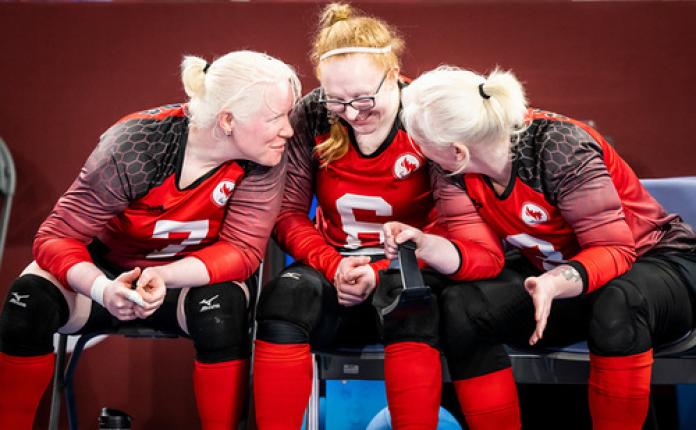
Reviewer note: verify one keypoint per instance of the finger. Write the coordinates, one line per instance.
(125, 314)
(129, 276)
(352, 290)
(135, 297)
(404, 236)
(358, 272)
(530, 284)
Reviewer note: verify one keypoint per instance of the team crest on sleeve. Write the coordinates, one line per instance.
(405, 165)
(222, 192)
(533, 214)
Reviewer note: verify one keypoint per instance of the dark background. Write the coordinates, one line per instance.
(69, 70)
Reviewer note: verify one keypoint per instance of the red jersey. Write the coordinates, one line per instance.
(572, 199)
(127, 196)
(356, 194)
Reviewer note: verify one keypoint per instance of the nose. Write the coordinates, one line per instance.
(286, 131)
(351, 113)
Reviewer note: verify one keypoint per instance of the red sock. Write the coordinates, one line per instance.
(282, 384)
(220, 389)
(413, 378)
(23, 381)
(489, 401)
(619, 391)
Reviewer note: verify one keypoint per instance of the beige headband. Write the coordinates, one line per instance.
(355, 50)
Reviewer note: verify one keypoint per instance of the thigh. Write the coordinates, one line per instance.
(508, 311)
(666, 305)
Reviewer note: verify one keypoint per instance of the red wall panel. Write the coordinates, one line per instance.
(70, 70)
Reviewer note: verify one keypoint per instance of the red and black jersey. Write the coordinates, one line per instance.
(356, 194)
(572, 199)
(127, 196)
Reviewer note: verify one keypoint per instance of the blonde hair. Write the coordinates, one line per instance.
(449, 104)
(238, 82)
(341, 26)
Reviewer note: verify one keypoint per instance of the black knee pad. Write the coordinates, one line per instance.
(35, 309)
(422, 326)
(465, 318)
(290, 306)
(217, 318)
(618, 324)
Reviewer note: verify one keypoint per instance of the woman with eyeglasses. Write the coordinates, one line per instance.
(349, 150)
(598, 257)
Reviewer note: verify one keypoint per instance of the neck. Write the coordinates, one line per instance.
(205, 147)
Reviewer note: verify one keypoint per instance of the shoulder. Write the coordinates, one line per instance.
(142, 148)
(310, 116)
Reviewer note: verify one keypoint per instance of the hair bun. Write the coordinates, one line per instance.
(333, 13)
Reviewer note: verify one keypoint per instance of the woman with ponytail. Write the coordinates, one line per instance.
(168, 218)
(597, 257)
(350, 151)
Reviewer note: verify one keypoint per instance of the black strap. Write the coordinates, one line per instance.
(411, 275)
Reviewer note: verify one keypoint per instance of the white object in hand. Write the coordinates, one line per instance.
(134, 297)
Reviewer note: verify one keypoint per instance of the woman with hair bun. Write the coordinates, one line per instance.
(350, 150)
(598, 257)
(168, 218)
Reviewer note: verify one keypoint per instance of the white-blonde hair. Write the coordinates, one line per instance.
(236, 82)
(445, 105)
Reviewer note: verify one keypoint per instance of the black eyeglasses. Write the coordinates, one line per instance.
(363, 103)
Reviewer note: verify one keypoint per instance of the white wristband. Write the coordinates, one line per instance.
(97, 290)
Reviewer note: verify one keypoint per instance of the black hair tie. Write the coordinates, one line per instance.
(207, 66)
(483, 94)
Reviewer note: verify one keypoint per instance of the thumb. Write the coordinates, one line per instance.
(530, 284)
(361, 260)
(130, 276)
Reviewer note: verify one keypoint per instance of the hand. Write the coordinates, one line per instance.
(396, 233)
(560, 282)
(116, 295)
(352, 281)
(152, 289)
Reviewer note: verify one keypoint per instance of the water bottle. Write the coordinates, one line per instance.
(114, 419)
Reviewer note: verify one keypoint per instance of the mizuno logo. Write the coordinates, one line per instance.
(17, 299)
(293, 275)
(208, 305)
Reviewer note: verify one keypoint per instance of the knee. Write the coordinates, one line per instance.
(617, 325)
(35, 309)
(218, 322)
(416, 321)
(290, 306)
(461, 307)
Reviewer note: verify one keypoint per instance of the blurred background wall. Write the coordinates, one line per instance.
(69, 70)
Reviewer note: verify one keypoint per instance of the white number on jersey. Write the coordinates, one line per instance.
(352, 227)
(551, 257)
(197, 231)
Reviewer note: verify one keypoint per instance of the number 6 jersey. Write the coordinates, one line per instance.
(356, 194)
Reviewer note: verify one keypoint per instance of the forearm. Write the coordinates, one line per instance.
(439, 253)
(81, 276)
(184, 273)
(566, 280)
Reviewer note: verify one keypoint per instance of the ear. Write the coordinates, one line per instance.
(461, 153)
(226, 122)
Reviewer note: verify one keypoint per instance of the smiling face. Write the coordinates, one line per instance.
(357, 75)
(261, 138)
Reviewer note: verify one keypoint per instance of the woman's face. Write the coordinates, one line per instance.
(261, 138)
(357, 76)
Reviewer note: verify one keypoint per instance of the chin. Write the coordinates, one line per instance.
(271, 160)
